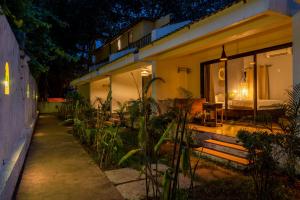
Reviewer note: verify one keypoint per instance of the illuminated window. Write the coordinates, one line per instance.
(6, 80)
(119, 44)
(28, 91)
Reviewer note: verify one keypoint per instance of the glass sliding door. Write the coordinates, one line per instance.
(241, 86)
(256, 83)
(213, 82)
(274, 78)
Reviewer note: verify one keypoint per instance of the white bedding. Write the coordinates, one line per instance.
(249, 104)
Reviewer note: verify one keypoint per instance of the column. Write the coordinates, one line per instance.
(296, 48)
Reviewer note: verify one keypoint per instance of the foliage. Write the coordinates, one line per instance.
(171, 126)
(236, 188)
(103, 112)
(290, 124)
(32, 25)
(134, 112)
(108, 145)
(262, 163)
(74, 104)
(121, 112)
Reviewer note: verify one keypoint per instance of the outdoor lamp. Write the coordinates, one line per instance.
(145, 72)
(223, 56)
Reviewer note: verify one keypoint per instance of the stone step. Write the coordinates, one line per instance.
(225, 147)
(202, 135)
(225, 158)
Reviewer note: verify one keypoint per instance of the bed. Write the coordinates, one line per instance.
(266, 104)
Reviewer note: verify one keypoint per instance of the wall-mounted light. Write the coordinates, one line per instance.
(6, 80)
(184, 69)
(223, 56)
(28, 91)
(119, 44)
(145, 72)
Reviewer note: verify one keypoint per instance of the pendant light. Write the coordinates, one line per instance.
(223, 56)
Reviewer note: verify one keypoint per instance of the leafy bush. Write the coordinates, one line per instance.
(262, 164)
(108, 145)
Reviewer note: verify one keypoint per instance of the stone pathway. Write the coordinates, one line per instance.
(58, 168)
(131, 183)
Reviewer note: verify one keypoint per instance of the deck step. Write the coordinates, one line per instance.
(203, 135)
(225, 158)
(225, 147)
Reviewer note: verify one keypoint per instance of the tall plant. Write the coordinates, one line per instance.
(290, 124)
(147, 106)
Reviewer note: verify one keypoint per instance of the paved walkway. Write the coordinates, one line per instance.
(58, 168)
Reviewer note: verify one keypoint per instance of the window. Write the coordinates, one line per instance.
(6, 80)
(119, 44)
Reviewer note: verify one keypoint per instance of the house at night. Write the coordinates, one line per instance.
(244, 57)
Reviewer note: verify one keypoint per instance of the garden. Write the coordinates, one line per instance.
(160, 146)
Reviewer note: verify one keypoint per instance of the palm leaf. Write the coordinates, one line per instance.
(163, 137)
(128, 155)
(149, 83)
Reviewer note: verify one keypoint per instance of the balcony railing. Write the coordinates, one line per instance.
(141, 42)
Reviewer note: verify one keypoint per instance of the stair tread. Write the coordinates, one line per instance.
(226, 156)
(226, 144)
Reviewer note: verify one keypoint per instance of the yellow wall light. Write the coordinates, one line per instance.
(6, 81)
(28, 91)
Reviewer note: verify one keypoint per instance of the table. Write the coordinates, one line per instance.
(213, 107)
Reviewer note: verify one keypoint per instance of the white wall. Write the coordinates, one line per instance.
(17, 110)
(99, 89)
(124, 87)
(280, 74)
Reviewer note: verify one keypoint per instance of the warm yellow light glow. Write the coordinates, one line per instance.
(6, 80)
(119, 44)
(28, 91)
(144, 73)
(244, 92)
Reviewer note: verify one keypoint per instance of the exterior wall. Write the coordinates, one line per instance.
(147, 28)
(84, 90)
(102, 54)
(296, 47)
(124, 87)
(99, 89)
(138, 31)
(49, 107)
(167, 68)
(17, 110)
(163, 21)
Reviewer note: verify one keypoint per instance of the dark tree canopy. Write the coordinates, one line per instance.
(59, 35)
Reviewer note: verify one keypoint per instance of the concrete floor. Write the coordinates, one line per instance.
(57, 167)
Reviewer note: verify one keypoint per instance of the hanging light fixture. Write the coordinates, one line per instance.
(223, 56)
(145, 72)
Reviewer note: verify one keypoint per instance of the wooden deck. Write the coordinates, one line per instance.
(231, 130)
